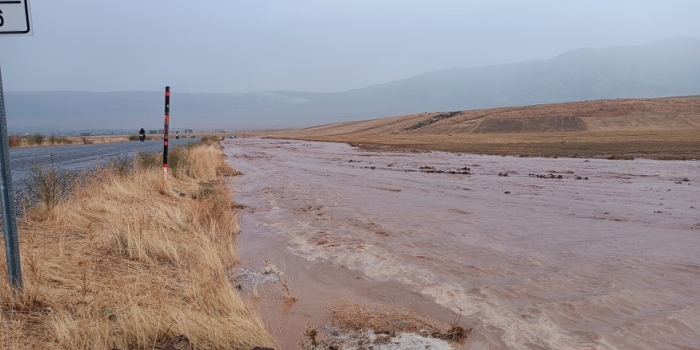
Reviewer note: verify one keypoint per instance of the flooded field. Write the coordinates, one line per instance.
(533, 253)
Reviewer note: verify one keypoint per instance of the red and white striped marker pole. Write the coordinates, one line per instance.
(165, 131)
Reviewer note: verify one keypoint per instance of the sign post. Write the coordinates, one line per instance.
(9, 218)
(15, 19)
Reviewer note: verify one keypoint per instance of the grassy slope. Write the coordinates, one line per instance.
(667, 128)
(133, 262)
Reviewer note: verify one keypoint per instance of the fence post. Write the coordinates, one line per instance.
(165, 131)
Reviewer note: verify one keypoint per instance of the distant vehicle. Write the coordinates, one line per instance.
(232, 136)
(142, 135)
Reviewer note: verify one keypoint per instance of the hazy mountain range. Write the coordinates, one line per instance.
(664, 68)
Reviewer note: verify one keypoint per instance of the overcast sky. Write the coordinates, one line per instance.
(310, 45)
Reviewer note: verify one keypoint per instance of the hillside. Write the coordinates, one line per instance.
(663, 128)
(660, 69)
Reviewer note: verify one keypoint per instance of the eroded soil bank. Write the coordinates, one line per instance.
(531, 252)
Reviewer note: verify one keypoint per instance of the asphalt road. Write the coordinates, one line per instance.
(78, 157)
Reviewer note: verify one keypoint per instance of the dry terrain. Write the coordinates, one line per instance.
(663, 128)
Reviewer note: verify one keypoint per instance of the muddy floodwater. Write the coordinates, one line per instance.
(533, 253)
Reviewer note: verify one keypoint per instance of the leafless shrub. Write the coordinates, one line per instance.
(36, 139)
(49, 185)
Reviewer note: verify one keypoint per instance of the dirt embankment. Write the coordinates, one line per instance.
(664, 128)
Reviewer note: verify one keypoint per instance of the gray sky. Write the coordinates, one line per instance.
(310, 45)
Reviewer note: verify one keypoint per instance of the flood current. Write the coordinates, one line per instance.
(533, 253)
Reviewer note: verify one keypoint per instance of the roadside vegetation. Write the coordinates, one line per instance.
(212, 138)
(49, 185)
(35, 140)
(59, 140)
(130, 260)
(38, 140)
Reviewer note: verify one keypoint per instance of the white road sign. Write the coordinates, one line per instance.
(15, 17)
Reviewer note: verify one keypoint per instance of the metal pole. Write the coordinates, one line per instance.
(14, 267)
(165, 131)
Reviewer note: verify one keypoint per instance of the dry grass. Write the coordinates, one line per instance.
(660, 144)
(14, 141)
(133, 262)
(17, 141)
(199, 158)
(100, 139)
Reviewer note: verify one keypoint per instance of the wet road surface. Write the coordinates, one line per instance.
(77, 157)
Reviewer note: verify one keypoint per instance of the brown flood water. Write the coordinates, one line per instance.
(611, 262)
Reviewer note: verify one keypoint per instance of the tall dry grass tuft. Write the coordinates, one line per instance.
(133, 262)
(14, 141)
(199, 157)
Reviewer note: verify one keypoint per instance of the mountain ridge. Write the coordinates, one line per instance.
(660, 69)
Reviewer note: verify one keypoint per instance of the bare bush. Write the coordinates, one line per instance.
(36, 139)
(149, 160)
(122, 166)
(48, 185)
